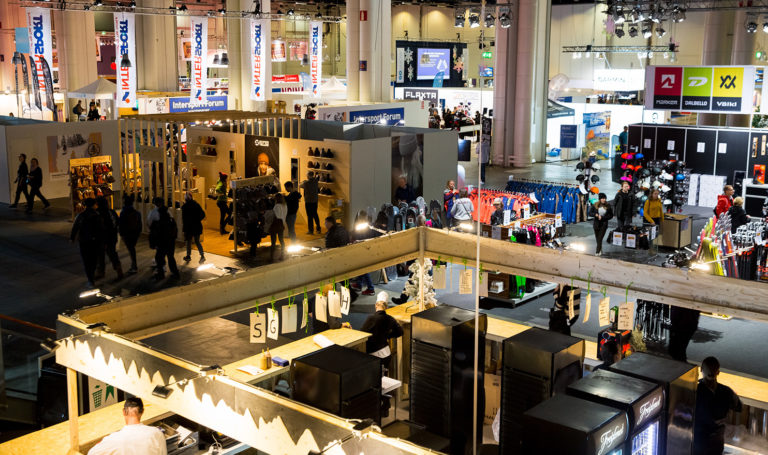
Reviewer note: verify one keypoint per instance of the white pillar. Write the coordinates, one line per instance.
(504, 90)
(741, 54)
(156, 48)
(239, 53)
(375, 19)
(718, 39)
(353, 50)
(77, 62)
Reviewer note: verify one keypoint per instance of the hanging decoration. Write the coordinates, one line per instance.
(260, 28)
(125, 51)
(199, 77)
(41, 48)
(315, 56)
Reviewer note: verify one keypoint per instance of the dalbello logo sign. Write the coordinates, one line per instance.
(259, 29)
(315, 56)
(199, 77)
(125, 44)
(40, 44)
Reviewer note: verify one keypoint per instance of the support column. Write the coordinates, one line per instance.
(77, 62)
(353, 50)
(375, 20)
(72, 408)
(156, 48)
(504, 90)
(718, 38)
(741, 54)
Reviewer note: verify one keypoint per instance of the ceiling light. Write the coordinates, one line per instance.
(224, 59)
(636, 13)
(222, 11)
(97, 3)
(459, 17)
(291, 12)
(632, 32)
(618, 18)
(86, 7)
(751, 27)
(660, 31)
(318, 15)
(474, 21)
(132, 4)
(504, 20)
(657, 15)
(182, 8)
(647, 32)
(678, 14)
(489, 20)
(619, 32)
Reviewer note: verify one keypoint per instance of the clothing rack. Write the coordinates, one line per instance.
(544, 182)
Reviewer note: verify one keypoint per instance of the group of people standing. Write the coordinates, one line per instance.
(28, 181)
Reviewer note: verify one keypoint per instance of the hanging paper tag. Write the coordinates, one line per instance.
(496, 232)
(346, 300)
(289, 318)
(631, 239)
(626, 315)
(587, 307)
(482, 286)
(527, 211)
(258, 328)
(654, 232)
(273, 324)
(617, 238)
(507, 217)
(603, 311)
(321, 307)
(465, 282)
(334, 304)
(558, 220)
(759, 239)
(438, 277)
(304, 313)
(571, 313)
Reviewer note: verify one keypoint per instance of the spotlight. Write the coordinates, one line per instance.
(291, 12)
(86, 7)
(619, 32)
(632, 32)
(222, 11)
(182, 8)
(647, 32)
(279, 12)
(132, 4)
(657, 15)
(97, 3)
(318, 15)
(678, 14)
(489, 20)
(504, 20)
(765, 27)
(636, 14)
(660, 31)
(459, 17)
(224, 59)
(618, 18)
(125, 62)
(474, 21)
(216, 59)
(751, 27)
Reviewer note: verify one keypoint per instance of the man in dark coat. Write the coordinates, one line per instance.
(623, 209)
(162, 236)
(21, 180)
(110, 223)
(335, 235)
(89, 230)
(192, 216)
(130, 227)
(713, 402)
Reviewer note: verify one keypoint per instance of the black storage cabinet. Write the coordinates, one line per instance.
(442, 365)
(536, 364)
(339, 380)
(679, 380)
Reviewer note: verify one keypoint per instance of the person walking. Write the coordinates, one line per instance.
(277, 225)
(110, 222)
(222, 203)
(21, 180)
(602, 213)
(292, 204)
(88, 229)
(362, 232)
(311, 190)
(724, 201)
(130, 227)
(713, 402)
(78, 110)
(497, 217)
(162, 237)
(35, 179)
(623, 206)
(192, 216)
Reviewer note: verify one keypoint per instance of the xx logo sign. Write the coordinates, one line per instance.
(727, 81)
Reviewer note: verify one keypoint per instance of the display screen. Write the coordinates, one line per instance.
(431, 62)
(464, 150)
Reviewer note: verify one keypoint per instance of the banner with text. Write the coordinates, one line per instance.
(315, 56)
(260, 28)
(125, 44)
(199, 77)
(721, 89)
(41, 45)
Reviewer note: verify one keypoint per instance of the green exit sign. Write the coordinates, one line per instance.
(487, 54)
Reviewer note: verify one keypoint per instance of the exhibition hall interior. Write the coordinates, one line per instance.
(383, 227)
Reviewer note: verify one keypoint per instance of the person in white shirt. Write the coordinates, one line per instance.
(134, 438)
(462, 208)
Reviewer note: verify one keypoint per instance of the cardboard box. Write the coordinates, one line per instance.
(676, 230)
(492, 397)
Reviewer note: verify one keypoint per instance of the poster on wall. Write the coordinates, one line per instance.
(259, 31)
(63, 148)
(298, 50)
(279, 53)
(408, 163)
(719, 89)
(199, 67)
(597, 126)
(262, 156)
(379, 116)
(315, 56)
(100, 394)
(41, 46)
(125, 44)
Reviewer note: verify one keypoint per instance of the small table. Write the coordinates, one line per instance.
(390, 385)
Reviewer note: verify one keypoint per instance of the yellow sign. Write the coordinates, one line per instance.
(728, 82)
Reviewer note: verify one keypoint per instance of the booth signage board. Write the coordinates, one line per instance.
(199, 77)
(390, 116)
(211, 103)
(41, 45)
(315, 56)
(568, 134)
(619, 80)
(720, 89)
(420, 94)
(125, 44)
(259, 30)
(262, 155)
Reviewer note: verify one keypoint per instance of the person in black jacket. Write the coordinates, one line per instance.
(382, 327)
(602, 212)
(713, 403)
(623, 206)
(192, 216)
(130, 227)
(739, 217)
(558, 314)
(683, 323)
(21, 181)
(89, 230)
(162, 235)
(35, 179)
(335, 235)
(497, 217)
(110, 223)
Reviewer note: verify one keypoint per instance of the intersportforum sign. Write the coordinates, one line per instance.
(717, 89)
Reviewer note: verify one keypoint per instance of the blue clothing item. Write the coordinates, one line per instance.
(552, 198)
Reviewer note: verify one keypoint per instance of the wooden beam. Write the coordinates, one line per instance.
(74, 436)
(144, 316)
(672, 286)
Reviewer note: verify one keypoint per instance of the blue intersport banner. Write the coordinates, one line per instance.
(389, 116)
(210, 103)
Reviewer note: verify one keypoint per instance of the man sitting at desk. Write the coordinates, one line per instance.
(134, 438)
(382, 327)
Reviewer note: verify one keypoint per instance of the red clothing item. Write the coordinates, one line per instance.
(723, 204)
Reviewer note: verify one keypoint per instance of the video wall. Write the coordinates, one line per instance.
(430, 64)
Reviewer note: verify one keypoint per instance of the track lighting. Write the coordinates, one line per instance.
(222, 11)
(132, 4)
(660, 31)
(765, 27)
(647, 32)
(182, 8)
(504, 20)
(291, 12)
(318, 15)
(751, 27)
(459, 17)
(618, 17)
(474, 20)
(678, 14)
(97, 3)
(619, 32)
(632, 32)
(490, 21)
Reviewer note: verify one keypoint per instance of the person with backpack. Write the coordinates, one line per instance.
(88, 229)
(110, 223)
(78, 110)
(129, 227)
(162, 237)
(192, 216)
(21, 180)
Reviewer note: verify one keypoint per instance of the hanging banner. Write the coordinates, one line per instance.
(25, 76)
(125, 44)
(48, 78)
(315, 56)
(199, 77)
(259, 30)
(36, 76)
(717, 89)
(41, 46)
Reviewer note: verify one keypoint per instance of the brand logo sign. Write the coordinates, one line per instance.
(211, 103)
(610, 438)
(41, 46)
(380, 116)
(419, 94)
(649, 408)
(724, 89)
(619, 80)
(315, 56)
(199, 79)
(125, 44)
(259, 29)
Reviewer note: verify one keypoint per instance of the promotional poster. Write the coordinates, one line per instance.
(199, 65)
(125, 44)
(259, 33)
(598, 134)
(41, 48)
(261, 156)
(315, 56)
(63, 148)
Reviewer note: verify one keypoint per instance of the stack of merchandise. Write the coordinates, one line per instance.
(740, 255)
(587, 176)
(670, 177)
(515, 202)
(554, 198)
(630, 164)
